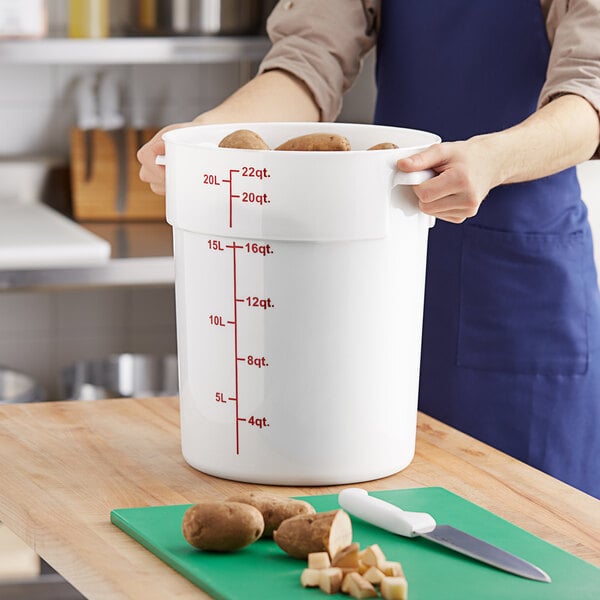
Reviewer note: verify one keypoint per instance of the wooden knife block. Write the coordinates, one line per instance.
(96, 198)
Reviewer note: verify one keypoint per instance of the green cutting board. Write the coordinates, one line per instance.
(263, 571)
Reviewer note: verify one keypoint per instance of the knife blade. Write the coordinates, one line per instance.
(390, 517)
(112, 121)
(139, 119)
(87, 118)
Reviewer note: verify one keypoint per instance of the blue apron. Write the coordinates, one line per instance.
(511, 333)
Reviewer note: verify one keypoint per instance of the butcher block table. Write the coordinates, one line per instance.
(66, 465)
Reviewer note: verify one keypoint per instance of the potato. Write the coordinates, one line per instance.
(383, 146)
(358, 587)
(316, 142)
(274, 509)
(243, 139)
(322, 532)
(222, 526)
(347, 557)
(330, 580)
(394, 588)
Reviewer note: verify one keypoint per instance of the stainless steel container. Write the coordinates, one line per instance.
(197, 17)
(121, 376)
(16, 387)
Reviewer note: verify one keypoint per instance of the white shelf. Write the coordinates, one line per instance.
(115, 273)
(141, 256)
(134, 50)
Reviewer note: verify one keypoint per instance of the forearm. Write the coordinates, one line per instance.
(271, 96)
(563, 133)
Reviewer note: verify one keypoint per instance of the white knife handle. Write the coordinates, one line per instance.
(87, 111)
(357, 502)
(109, 101)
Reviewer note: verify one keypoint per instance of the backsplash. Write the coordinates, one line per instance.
(37, 104)
(43, 332)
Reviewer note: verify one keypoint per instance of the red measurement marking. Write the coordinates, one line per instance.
(240, 358)
(231, 194)
(235, 338)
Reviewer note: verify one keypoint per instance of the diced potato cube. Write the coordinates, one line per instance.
(372, 556)
(391, 568)
(373, 575)
(310, 578)
(346, 583)
(359, 587)
(330, 580)
(318, 560)
(394, 588)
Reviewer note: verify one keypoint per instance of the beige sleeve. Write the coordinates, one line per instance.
(574, 68)
(322, 42)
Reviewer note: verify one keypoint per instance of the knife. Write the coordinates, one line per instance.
(112, 121)
(87, 118)
(357, 502)
(138, 111)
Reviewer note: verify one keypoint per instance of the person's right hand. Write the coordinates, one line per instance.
(150, 172)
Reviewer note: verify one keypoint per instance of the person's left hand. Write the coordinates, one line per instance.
(466, 173)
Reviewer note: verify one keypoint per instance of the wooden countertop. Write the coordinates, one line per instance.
(65, 465)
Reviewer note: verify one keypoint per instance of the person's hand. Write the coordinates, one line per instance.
(150, 172)
(466, 173)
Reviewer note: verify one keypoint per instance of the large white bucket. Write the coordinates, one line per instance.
(299, 283)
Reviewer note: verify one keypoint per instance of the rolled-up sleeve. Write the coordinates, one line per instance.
(322, 43)
(574, 66)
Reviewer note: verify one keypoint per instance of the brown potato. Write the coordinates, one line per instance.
(322, 532)
(274, 509)
(316, 142)
(383, 146)
(222, 526)
(243, 139)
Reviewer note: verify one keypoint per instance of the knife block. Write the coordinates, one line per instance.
(95, 199)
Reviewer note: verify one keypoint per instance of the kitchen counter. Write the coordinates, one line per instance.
(65, 465)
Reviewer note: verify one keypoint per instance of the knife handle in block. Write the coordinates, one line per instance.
(357, 502)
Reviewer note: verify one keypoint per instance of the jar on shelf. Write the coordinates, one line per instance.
(89, 18)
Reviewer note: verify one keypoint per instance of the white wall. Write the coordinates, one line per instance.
(43, 332)
(589, 178)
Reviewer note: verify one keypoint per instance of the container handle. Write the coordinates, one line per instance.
(414, 178)
(160, 159)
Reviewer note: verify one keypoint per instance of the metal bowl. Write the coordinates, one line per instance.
(121, 376)
(17, 387)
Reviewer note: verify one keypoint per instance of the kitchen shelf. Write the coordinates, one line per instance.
(134, 50)
(117, 272)
(141, 255)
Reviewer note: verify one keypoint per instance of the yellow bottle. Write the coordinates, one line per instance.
(88, 18)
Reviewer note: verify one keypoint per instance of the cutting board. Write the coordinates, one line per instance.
(263, 571)
(34, 236)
